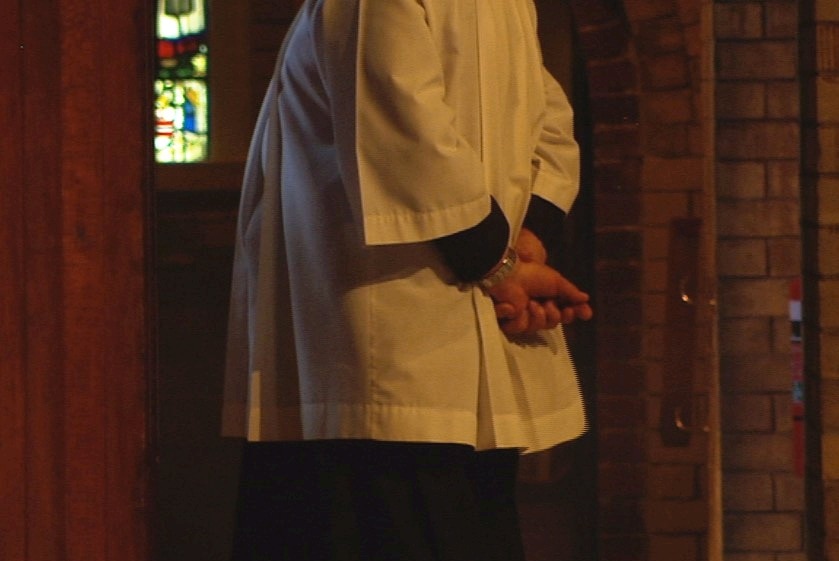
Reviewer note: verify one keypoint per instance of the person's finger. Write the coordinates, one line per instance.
(516, 325)
(538, 317)
(583, 311)
(542, 281)
(568, 315)
(552, 313)
(505, 310)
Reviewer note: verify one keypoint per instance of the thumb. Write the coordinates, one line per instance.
(545, 282)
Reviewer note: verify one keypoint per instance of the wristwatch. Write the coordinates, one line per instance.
(501, 271)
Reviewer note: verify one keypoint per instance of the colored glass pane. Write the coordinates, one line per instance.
(181, 91)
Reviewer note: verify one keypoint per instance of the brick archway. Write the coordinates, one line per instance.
(642, 61)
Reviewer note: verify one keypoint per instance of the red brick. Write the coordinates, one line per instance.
(784, 257)
(781, 19)
(673, 174)
(783, 99)
(741, 180)
(769, 218)
(619, 277)
(823, 201)
(616, 142)
(619, 412)
(732, 342)
(742, 257)
(623, 344)
(620, 310)
(673, 482)
(761, 60)
(757, 140)
(614, 108)
(619, 177)
(670, 548)
(667, 139)
(762, 373)
(660, 35)
(694, 37)
(602, 41)
(650, 9)
(789, 492)
(619, 377)
(666, 71)
(696, 139)
(830, 404)
(612, 76)
(829, 292)
(729, 556)
(828, 261)
(654, 345)
(798, 556)
(740, 20)
(827, 104)
(623, 446)
(618, 209)
(655, 377)
(624, 548)
(757, 297)
(783, 178)
(621, 245)
(829, 354)
(831, 507)
(673, 106)
(655, 279)
(747, 491)
(676, 516)
(782, 404)
(621, 480)
(781, 333)
(828, 141)
(689, 11)
(741, 100)
(589, 12)
(747, 413)
(660, 208)
(622, 515)
(763, 532)
(761, 452)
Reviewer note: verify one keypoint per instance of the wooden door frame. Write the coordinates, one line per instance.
(75, 282)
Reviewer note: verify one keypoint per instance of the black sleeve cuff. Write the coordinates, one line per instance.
(546, 221)
(472, 253)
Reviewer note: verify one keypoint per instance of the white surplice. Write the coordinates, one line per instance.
(389, 123)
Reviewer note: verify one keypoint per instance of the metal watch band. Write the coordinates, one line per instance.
(500, 271)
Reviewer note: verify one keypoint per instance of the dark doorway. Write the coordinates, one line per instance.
(557, 491)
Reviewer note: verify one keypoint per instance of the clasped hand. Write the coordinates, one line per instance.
(536, 296)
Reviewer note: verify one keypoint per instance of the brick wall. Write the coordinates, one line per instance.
(644, 72)
(757, 145)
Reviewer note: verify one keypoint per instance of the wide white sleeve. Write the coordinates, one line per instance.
(418, 179)
(557, 153)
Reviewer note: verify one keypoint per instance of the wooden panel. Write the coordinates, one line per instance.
(12, 389)
(83, 260)
(125, 193)
(73, 285)
(41, 192)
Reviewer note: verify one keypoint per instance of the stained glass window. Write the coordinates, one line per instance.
(181, 93)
